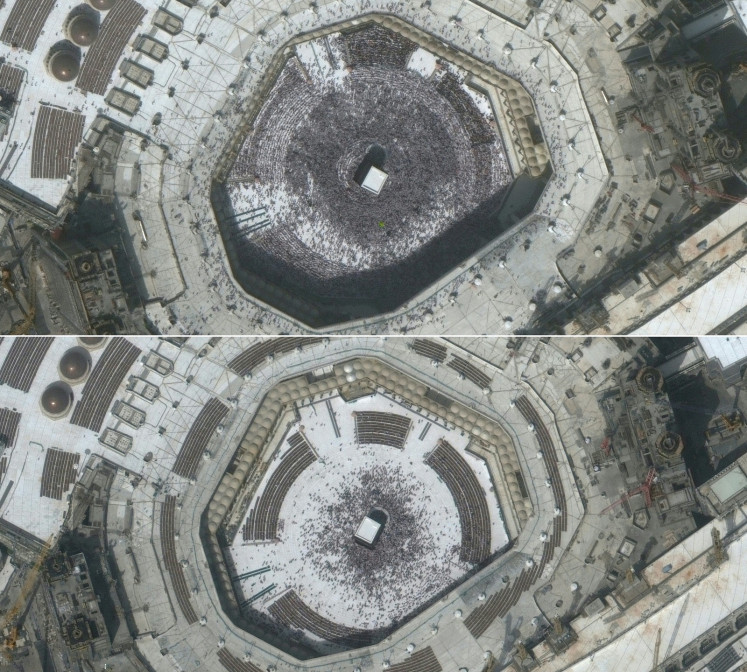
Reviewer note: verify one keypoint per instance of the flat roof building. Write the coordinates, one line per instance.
(728, 349)
(367, 532)
(726, 490)
(728, 485)
(375, 180)
(370, 529)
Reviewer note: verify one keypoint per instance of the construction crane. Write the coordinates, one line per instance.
(12, 620)
(646, 127)
(600, 456)
(27, 322)
(644, 487)
(718, 545)
(7, 284)
(687, 179)
(655, 667)
(729, 422)
(732, 421)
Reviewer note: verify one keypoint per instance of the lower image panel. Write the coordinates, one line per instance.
(417, 504)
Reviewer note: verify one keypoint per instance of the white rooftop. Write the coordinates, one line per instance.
(374, 180)
(729, 484)
(367, 530)
(727, 349)
(740, 7)
(680, 622)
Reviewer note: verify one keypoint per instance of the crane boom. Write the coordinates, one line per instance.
(646, 127)
(644, 487)
(10, 620)
(687, 179)
(656, 651)
(25, 325)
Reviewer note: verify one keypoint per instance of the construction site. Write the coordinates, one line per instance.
(64, 286)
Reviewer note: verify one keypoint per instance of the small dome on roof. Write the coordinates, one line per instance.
(91, 341)
(83, 30)
(75, 364)
(102, 5)
(64, 66)
(57, 399)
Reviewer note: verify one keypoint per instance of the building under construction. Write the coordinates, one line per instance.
(677, 101)
(726, 433)
(726, 490)
(76, 606)
(681, 111)
(646, 446)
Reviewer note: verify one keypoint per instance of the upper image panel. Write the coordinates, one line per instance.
(534, 166)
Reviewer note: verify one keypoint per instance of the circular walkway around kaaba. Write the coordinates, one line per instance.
(344, 584)
(292, 211)
(414, 557)
(309, 143)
